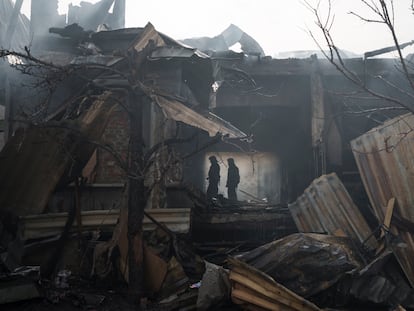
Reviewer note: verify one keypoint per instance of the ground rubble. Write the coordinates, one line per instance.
(335, 260)
(302, 271)
(334, 270)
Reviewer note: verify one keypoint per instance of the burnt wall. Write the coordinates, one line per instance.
(116, 135)
(275, 111)
(269, 90)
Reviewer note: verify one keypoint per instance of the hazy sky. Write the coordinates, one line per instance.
(278, 25)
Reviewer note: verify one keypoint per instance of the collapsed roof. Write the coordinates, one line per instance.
(224, 41)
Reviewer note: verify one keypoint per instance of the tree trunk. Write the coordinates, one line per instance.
(136, 201)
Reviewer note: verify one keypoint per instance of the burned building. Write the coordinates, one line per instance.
(108, 133)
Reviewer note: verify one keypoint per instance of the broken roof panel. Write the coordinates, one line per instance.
(326, 207)
(197, 75)
(176, 52)
(208, 122)
(121, 39)
(195, 67)
(385, 159)
(224, 41)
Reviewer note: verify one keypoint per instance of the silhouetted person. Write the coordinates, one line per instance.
(213, 178)
(233, 179)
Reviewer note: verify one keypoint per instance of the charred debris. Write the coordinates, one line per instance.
(106, 133)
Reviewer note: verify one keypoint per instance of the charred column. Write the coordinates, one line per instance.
(318, 119)
(137, 194)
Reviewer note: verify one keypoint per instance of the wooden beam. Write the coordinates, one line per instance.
(388, 215)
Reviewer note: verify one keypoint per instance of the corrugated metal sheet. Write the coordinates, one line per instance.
(326, 207)
(385, 159)
(44, 225)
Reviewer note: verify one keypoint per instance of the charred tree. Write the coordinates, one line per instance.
(136, 199)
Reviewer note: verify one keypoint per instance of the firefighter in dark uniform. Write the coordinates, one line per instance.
(233, 179)
(213, 178)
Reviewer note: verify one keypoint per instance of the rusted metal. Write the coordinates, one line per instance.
(385, 159)
(326, 207)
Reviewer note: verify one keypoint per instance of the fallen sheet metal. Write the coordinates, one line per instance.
(44, 225)
(306, 263)
(254, 290)
(385, 159)
(225, 40)
(326, 207)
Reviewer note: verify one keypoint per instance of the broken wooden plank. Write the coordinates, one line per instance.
(148, 35)
(388, 215)
(279, 294)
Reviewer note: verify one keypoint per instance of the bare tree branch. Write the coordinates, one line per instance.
(382, 11)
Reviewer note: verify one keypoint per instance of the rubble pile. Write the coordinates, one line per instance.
(96, 213)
